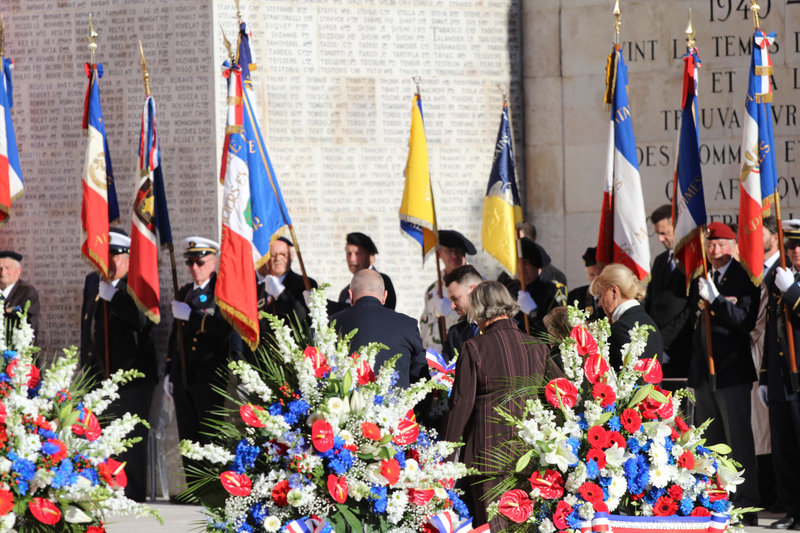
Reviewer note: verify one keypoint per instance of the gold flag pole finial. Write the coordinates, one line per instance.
(690, 32)
(2, 36)
(238, 12)
(228, 46)
(503, 92)
(755, 8)
(145, 74)
(617, 21)
(92, 35)
(416, 79)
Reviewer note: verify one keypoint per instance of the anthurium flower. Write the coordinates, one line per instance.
(236, 483)
(88, 427)
(595, 368)
(651, 369)
(34, 376)
(249, 417)
(44, 511)
(318, 359)
(364, 372)
(561, 392)
(420, 496)
(6, 502)
(390, 469)
(585, 343)
(563, 509)
(337, 487)
(370, 431)
(407, 432)
(550, 484)
(516, 505)
(322, 436)
(113, 472)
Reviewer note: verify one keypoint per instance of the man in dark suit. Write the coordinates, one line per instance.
(667, 303)
(377, 323)
(732, 300)
(206, 341)
(582, 295)
(129, 347)
(775, 389)
(16, 293)
(460, 283)
(540, 296)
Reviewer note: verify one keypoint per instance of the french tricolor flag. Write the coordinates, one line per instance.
(10, 172)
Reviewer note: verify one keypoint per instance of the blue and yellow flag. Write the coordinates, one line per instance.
(417, 213)
(501, 207)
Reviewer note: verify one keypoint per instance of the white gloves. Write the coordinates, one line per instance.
(525, 301)
(274, 286)
(784, 278)
(307, 298)
(167, 386)
(762, 389)
(443, 305)
(107, 290)
(708, 291)
(181, 310)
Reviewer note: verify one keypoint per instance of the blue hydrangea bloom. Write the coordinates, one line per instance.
(378, 495)
(458, 505)
(342, 463)
(591, 469)
(246, 456)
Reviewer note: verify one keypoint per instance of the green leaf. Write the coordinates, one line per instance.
(347, 382)
(523, 461)
(640, 395)
(602, 419)
(352, 521)
(338, 523)
(386, 453)
(386, 439)
(658, 396)
(365, 456)
(721, 448)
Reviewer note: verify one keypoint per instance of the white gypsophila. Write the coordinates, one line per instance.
(396, 506)
(685, 480)
(576, 478)
(250, 379)
(205, 452)
(59, 374)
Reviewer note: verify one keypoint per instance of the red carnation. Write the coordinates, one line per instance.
(550, 484)
(337, 487)
(631, 420)
(561, 392)
(279, 492)
(665, 506)
(516, 505)
(390, 469)
(616, 437)
(686, 460)
(236, 483)
(605, 393)
(44, 511)
(420, 496)
(6, 502)
(651, 368)
(675, 492)
(598, 437)
(322, 436)
(700, 511)
(595, 367)
(407, 432)
(563, 509)
(591, 492)
(598, 455)
(370, 431)
(249, 416)
(585, 343)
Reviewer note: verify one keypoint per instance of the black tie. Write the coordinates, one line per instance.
(716, 278)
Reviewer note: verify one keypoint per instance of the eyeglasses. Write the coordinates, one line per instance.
(195, 261)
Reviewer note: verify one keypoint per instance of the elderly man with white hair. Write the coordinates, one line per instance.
(16, 293)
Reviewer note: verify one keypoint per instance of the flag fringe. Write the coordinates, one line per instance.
(240, 321)
(155, 317)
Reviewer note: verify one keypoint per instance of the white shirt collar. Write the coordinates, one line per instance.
(722, 269)
(769, 261)
(201, 286)
(621, 308)
(8, 290)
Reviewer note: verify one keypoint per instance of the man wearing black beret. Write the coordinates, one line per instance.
(360, 252)
(539, 296)
(582, 295)
(16, 293)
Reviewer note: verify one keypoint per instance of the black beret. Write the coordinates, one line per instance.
(11, 255)
(532, 252)
(359, 239)
(286, 240)
(590, 256)
(453, 239)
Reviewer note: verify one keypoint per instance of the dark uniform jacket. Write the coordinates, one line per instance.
(460, 332)
(289, 305)
(585, 302)
(20, 294)
(620, 335)
(775, 362)
(733, 315)
(391, 297)
(667, 302)
(377, 323)
(546, 295)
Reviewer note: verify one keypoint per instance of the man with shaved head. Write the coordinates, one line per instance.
(376, 323)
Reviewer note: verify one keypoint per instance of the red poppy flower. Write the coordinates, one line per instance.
(598, 455)
(665, 506)
(6, 502)
(407, 432)
(675, 492)
(563, 509)
(236, 483)
(390, 469)
(631, 420)
(681, 425)
(616, 437)
(550, 484)
(279, 492)
(591, 492)
(89, 427)
(651, 368)
(516, 505)
(686, 460)
(364, 373)
(337, 487)
(560, 392)
(605, 393)
(585, 343)
(322, 436)
(595, 367)
(370, 431)
(420, 496)
(598, 437)
(113, 472)
(319, 361)
(700, 511)
(249, 417)
(44, 511)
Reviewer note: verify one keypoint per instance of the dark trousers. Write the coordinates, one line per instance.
(730, 409)
(784, 422)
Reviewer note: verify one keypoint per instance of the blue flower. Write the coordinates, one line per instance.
(591, 469)
(64, 475)
(686, 506)
(633, 445)
(614, 423)
(720, 506)
(342, 463)
(668, 445)
(610, 409)
(259, 512)
(378, 494)
(702, 450)
(326, 528)
(575, 444)
(378, 399)
(47, 434)
(652, 495)
(574, 518)
(299, 407)
(296, 481)
(245, 528)
(49, 448)
(458, 505)
(246, 456)
(423, 440)
(91, 475)
(582, 423)
(291, 418)
(275, 409)
(401, 458)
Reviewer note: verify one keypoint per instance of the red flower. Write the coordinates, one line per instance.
(665, 506)
(598, 437)
(6, 502)
(591, 492)
(390, 469)
(631, 420)
(605, 393)
(96, 529)
(364, 373)
(236, 483)
(616, 436)
(563, 509)
(3, 413)
(516, 505)
(682, 426)
(44, 511)
(675, 492)
(595, 368)
(322, 436)
(60, 454)
(651, 368)
(560, 392)
(598, 455)
(370, 431)
(113, 472)
(700, 511)
(34, 377)
(407, 432)
(600, 507)
(249, 417)
(412, 454)
(319, 361)
(686, 460)
(585, 342)
(550, 484)
(279, 492)
(88, 427)
(420, 496)
(337, 487)
(652, 409)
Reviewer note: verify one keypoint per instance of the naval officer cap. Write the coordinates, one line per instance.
(10, 254)
(791, 230)
(118, 242)
(453, 239)
(359, 239)
(199, 246)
